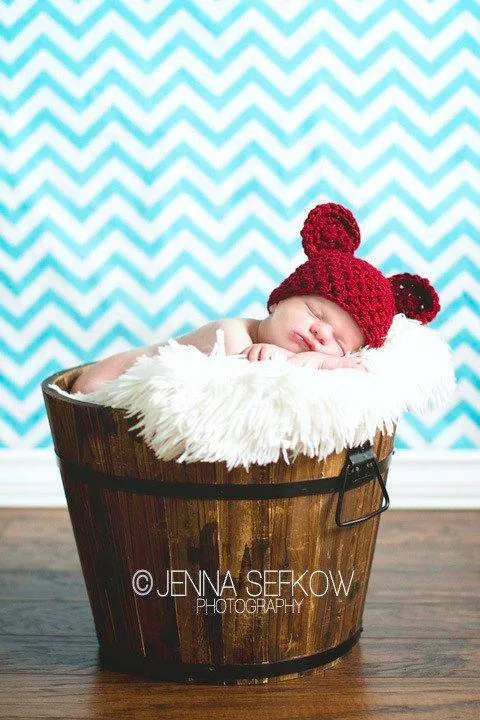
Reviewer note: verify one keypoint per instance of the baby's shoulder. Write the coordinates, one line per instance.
(237, 333)
(240, 324)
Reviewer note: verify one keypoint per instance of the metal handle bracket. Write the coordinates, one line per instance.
(360, 465)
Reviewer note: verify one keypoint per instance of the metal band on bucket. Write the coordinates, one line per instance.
(215, 491)
(361, 467)
(113, 657)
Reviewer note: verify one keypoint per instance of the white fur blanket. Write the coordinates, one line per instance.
(194, 407)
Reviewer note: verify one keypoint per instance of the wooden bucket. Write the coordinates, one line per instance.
(266, 551)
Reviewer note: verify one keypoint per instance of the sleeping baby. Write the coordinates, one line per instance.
(329, 307)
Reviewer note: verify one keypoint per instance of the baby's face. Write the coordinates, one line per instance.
(310, 322)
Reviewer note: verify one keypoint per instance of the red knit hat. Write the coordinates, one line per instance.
(330, 236)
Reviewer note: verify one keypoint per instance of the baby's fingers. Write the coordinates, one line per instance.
(355, 363)
(265, 353)
(252, 353)
(258, 352)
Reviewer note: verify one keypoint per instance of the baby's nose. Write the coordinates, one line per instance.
(322, 332)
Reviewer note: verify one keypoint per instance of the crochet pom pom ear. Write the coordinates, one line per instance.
(415, 297)
(330, 227)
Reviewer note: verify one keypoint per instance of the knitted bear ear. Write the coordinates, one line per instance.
(415, 297)
(330, 227)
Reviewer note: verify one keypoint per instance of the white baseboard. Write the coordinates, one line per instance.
(417, 479)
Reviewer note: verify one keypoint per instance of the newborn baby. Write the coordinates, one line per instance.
(327, 308)
(307, 330)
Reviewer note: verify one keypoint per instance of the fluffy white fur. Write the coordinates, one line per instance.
(193, 407)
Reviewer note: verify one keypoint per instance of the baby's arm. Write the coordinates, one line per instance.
(314, 359)
(236, 339)
(109, 368)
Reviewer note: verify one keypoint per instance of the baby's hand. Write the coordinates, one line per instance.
(265, 351)
(321, 361)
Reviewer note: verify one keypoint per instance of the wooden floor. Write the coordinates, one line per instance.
(418, 657)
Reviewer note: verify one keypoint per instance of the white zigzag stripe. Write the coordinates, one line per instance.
(464, 391)
(432, 268)
(392, 98)
(428, 10)
(219, 157)
(429, 196)
(395, 208)
(464, 319)
(220, 265)
(117, 243)
(446, 438)
(185, 206)
(185, 278)
(466, 355)
(182, 315)
(76, 12)
(286, 46)
(217, 83)
(30, 439)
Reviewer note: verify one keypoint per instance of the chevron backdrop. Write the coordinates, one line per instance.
(158, 160)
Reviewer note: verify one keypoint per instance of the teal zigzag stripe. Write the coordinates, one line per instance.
(218, 176)
(358, 103)
(217, 211)
(220, 63)
(282, 25)
(253, 114)
(288, 247)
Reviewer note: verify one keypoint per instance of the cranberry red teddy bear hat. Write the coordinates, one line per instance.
(330, 236)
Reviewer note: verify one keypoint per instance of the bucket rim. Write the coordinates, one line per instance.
(58, 396)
